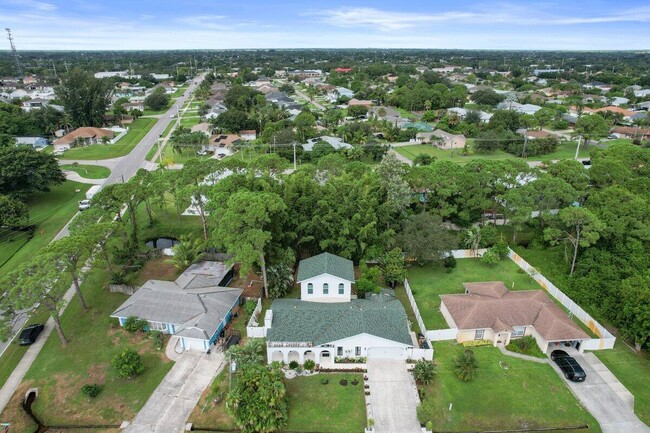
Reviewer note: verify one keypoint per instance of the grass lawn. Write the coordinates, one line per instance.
(150, 112)
(566, 150)
(182, 158)
(49, 211)
(137, 130)
(179, 92)
(633, 370)
(332, 408)
(210, 412)
(405, 113)
(60, 372)
(88, 171)
(188, 122)
(525, 395)
(428, 282)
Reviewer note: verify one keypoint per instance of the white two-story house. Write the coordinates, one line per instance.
(325, 278)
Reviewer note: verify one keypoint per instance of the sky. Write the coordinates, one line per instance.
(232, 24)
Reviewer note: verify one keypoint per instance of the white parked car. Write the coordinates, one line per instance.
(84, 204)
(201, 152)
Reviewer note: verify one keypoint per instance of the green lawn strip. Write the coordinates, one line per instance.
(525, 395)
(137, 130)
(190, 121)
(165, 133)
(210, 412)
(566, 150)
(181, 158)
(49, 211)
(400, 293)
(633, 370)
(150, 112)
(332, 408)
(179, 91)
(88, 171)
(95, 338)
(405, 113)
(428, 282)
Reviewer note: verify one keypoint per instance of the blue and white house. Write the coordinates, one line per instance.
(196, 307)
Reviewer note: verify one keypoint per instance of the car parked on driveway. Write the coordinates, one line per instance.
(569, 366)
(29, 334)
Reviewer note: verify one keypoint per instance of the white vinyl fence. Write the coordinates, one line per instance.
(253, 330)
(442, 334)
(418, 353)
(605, 341)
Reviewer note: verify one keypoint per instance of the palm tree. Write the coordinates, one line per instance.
(473, 239)
(280, 280)
(186, 252)
(423, 372)
(466, 366)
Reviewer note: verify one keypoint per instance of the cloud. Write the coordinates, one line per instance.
(386, 20)
(33, 5)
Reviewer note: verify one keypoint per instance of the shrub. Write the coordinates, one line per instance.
(91, 390)
(249, 307)
(429, 426)
(324, 381)
(489, 235)
(309, 365)
(293, 365)
(157, 338)
(490, 258)
(128, 364)
(525, 345)
(476, 343)
(500, 249)
(133, 324)
(450, 262)
(466, 366)
(423, 371)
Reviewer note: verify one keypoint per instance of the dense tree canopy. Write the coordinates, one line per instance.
(85, 98)
(24, 171)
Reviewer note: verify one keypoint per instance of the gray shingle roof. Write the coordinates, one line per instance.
(326, 263)
(319, 323)
(195, 303)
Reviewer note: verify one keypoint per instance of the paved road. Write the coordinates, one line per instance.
(172, 402)
(393, 397)
(308, 99)
(597, 393)
(124, 168)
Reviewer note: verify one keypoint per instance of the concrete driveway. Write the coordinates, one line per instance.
(597, 393)
(171, 404)
(393, 397)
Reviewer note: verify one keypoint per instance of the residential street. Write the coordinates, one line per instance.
(124, 168)
(308, 99)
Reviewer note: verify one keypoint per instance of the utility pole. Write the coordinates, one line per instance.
(578, 146)
(14, 52)
(523, 151)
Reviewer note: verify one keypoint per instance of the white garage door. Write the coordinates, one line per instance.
(194, 345)
(386, 352)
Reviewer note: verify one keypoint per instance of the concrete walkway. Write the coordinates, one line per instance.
(401, 157)
(171, 404)
(614, 414)
(393, 397)
(108, 163)
(507, 352)
(73, 175)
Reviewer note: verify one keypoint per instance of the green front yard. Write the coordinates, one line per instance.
(566, 150)
(428, 282)
(508, 393)
(49, 211)
(331, 408)
(137, 130)
(88, 171)
(60, 372)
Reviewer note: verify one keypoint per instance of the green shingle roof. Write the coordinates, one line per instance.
(326, 263)
(319, 323)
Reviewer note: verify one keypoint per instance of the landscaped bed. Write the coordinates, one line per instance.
(312, 406)
(95, 338)
(428, 282)
(508, 393)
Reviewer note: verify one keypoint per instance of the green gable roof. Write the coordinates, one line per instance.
(326, 263)
(319, 323)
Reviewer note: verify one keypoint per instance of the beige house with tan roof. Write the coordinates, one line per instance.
(489, 311)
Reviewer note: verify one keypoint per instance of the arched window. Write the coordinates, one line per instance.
(341, 289)
(326, 289)
(310, 289)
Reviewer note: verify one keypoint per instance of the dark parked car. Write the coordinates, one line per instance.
(569, 366)
(28, 335)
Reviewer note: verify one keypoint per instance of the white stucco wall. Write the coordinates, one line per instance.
(332, 296)
(348, 349)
